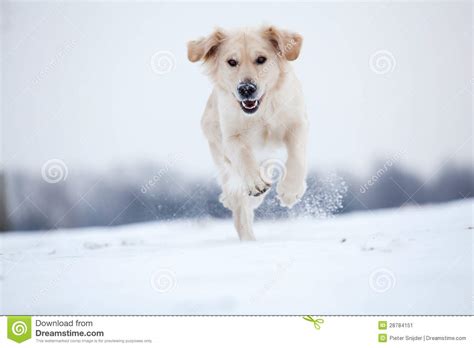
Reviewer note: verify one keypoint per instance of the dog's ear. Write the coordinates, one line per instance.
(287, 44)
(206, 47)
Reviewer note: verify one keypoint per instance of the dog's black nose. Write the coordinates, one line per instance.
(246, 89)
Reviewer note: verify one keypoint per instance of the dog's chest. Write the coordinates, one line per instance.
(265, 135)
(269, 146)
(266, 142)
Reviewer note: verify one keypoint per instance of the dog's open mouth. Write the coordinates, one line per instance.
(249, 106)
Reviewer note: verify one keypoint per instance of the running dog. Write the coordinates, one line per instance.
(256, 103)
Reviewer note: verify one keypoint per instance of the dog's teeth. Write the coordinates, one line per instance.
(250, 107)
(254, 104)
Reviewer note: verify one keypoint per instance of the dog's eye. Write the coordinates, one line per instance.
(261, 60)
(232, 62)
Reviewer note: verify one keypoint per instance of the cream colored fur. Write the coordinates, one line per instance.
(280, 121)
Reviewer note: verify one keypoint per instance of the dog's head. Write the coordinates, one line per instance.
(246, 63)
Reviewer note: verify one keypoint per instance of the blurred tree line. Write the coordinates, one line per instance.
(3, 207)
(150, 193)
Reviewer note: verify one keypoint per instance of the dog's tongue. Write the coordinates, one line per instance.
(249, 104)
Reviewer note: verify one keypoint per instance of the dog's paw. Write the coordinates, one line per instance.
(256, 186)
(290, 194)
(224, 199)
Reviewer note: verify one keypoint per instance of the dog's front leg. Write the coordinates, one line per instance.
(293, 184)
(244, 163)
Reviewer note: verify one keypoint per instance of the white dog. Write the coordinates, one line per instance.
(256, 103)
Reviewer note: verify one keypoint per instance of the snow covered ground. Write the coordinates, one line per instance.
(413, 260)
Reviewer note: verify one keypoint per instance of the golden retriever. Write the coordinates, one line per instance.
(256, 103)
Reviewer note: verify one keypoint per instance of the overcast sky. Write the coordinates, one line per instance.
(79, 82)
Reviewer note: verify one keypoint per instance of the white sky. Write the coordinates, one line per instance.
(78, 84)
